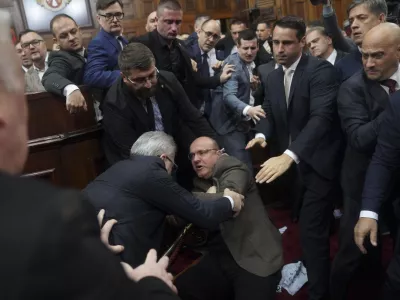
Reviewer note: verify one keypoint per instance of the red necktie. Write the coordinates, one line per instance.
(390, 83)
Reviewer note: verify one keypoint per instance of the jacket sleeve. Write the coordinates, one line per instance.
(266, 125)
(230, 90)
(170, 197)
(55, 78)
(96, 73)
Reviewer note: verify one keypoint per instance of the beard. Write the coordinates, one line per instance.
(145, 93)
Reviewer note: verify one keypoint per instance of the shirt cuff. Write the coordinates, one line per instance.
(292, 156)
(231, 200)
(245, 110)
(260, 135)
(369, 214)
(69, 89)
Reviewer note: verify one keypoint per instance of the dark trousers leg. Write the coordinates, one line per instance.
(235, 143)
(391, 290)
(315, 217)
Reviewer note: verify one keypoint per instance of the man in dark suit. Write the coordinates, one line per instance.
(65, 71)
(302, 134)
(145, 99)
(53, 246)
(362, 100)
(363, 15)
(228, 44)
(264, 54)
(102, 63)
(245, 256)
(381, 175)
(198, 23)
(319, 43)
(140, 192)
(171, 55)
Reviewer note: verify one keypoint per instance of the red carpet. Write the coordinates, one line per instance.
(363, 286)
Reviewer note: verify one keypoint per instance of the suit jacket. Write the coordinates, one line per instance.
(32, 82)
(52, 235)
(139, 193)
(349, 65)
(192, 79)
(230, 100)
(102, 69)
(339, 56)
(361, 103)
(125, 119)
(263, 57)
(252, 239)
(226, 45)
(64, 68)
(310, 120)
(262, 72)
(386, 159)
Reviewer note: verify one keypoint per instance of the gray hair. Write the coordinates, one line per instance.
(154, 143)
(376, 7)
(200, 20)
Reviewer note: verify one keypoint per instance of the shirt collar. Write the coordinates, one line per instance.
(332, 57)
(209, 53)
(396, 77)
(293, 66)
(82, 52)
(163, 41)
(24, 68)
(45, 63)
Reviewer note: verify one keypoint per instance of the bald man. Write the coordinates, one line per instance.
(151, 23)
(245, 255)
(362, 100)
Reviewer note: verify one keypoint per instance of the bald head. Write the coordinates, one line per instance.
(381, 51)
(204, 153)
(209, 35)
(13, 110)
(206, 142)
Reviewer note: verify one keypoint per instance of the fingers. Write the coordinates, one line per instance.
(373, 236)
(250, 144)
(359, 240)
(151, 256)
(100, 216)
(106, 229)
(163, 262)
(116, 249)
(264, 144)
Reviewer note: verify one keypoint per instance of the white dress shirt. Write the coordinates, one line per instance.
(292, 68)
(211, 59)
(332, 57)
(396, 77)
(41, 72)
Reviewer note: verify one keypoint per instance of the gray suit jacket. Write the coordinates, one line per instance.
(252, 239)
(32, 82)
(230, 100)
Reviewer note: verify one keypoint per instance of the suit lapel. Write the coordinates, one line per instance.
(111, 39)
(377, 92)
(298, 73)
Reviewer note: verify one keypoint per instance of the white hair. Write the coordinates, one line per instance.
(154, 143)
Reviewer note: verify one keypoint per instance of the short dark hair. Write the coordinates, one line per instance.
(57, 17)
(173, 5)
(104, 4)
(246, 35)
(315, 23)
(22, 33)
(320, 29)
(376, 7)
(262, 21)
(135, 56)
(237, 22)
(293, 22)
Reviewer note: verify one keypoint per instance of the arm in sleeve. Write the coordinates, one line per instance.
(361, 132)
(323, 91)
(385, 161)
(230, 99)
(55, 78)
(170, 197)
(264, 128)
(96, 73)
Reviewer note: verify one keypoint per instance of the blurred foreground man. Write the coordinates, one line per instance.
(245, 253)
(53, 248)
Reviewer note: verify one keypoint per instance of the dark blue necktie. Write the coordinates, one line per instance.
(205, 72)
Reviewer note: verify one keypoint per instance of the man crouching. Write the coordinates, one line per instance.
(245, 255)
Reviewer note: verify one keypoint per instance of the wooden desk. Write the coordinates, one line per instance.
(63, 148)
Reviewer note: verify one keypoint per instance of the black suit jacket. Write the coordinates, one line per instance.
(192, 79)
(52, 248)
(226, 44)
(386, 159)
(262, 72)
(339, 56)
(263, 57)
(311, 118)
(139, 193)
(125, 119)
(64, 68)
(361, 103)
(349, 65)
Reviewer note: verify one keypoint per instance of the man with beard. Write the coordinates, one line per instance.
(145, 99)
(66, 65)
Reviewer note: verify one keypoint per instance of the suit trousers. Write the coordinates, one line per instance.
(391, 290)
(218, 277)
(235, 143)
(315, 219)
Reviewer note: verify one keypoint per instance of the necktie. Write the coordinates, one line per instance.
(121, 42)
(390, 83)
(205, 72)
(287, 83)
(157, 115)
(204, 68)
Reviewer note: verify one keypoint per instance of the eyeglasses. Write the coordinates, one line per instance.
(34, 43)
(110, 16)
(174, 165)
(210, 34)
(200, 153)
(143, 80)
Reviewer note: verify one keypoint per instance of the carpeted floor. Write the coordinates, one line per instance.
(363, 287)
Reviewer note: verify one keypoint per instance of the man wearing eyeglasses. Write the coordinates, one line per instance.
(171, 54)
(33, 43)
(244, 254)
(102, 63)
